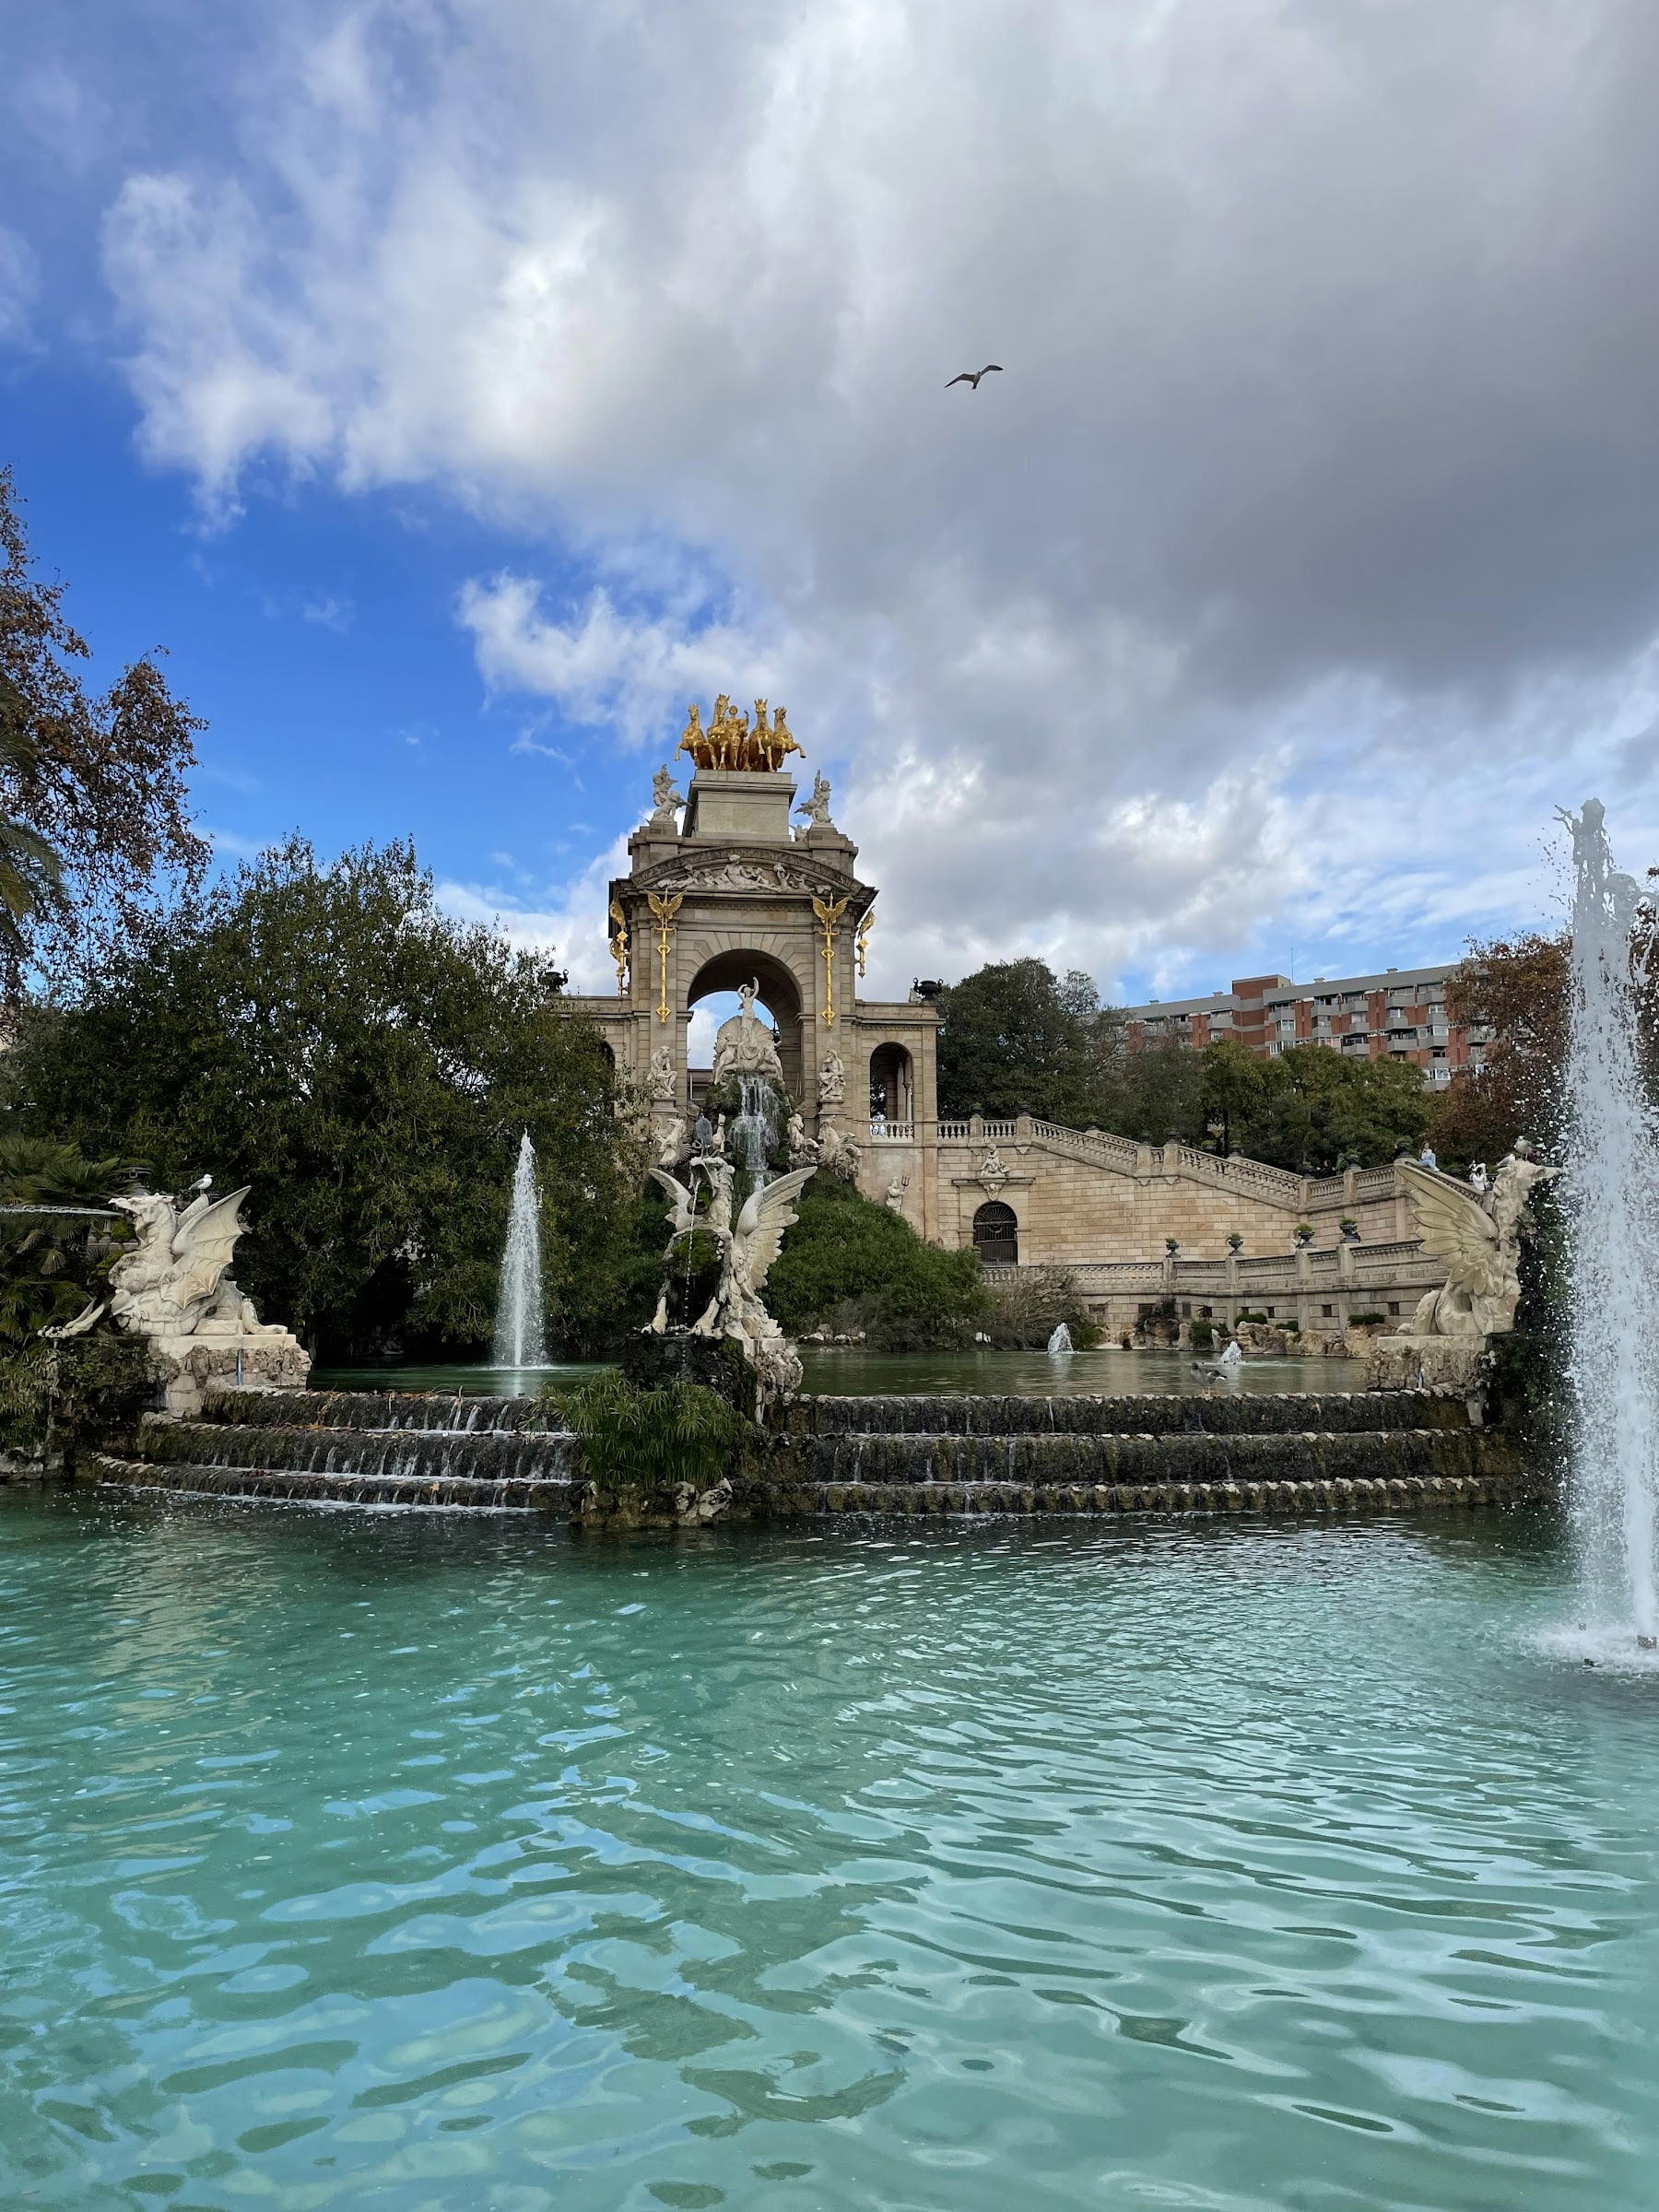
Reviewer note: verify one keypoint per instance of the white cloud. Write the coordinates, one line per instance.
(628, 671)
(20, 285)
(1319, 480)
(234, 842)
(328, 610)
(572, 922)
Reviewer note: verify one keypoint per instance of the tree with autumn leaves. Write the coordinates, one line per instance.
(1519, 989)
(94, 807)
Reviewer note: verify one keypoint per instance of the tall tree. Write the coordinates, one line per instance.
(1319, 1109)
(94, 816)
(1231, 1087)
(1013, 1039)
(322, 1031)
(1151, 1094)
(1519, 990)
(1517, 987)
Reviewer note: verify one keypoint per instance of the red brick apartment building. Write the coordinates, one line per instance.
(1400, 1014)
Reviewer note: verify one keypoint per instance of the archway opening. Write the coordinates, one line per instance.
(892, 1096)
(713, 998)
(996, 1234)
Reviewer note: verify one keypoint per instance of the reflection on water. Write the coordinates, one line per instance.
(848, 1370)
(411, 1866)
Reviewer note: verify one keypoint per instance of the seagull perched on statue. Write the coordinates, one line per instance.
(972, 376)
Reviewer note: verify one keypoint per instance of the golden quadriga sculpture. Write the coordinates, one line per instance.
(732, 741)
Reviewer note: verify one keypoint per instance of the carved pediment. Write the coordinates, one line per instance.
(750, 874)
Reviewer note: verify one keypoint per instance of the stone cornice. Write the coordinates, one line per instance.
(746, 872)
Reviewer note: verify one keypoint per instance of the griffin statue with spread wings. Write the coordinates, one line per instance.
(747, 1248)
(175, 1275)
(1478, 1237)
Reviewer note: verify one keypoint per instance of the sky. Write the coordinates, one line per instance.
(456, 388)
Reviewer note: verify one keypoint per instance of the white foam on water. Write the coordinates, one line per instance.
(1607, 1645)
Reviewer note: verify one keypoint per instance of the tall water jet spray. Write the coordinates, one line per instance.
(1614, 1184)
(521, 1328)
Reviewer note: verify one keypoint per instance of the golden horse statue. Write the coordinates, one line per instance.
(730, 741)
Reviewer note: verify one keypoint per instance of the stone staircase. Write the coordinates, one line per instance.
(1359, 1451)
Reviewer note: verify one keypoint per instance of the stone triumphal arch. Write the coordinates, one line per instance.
(726, 887)
(733, 884)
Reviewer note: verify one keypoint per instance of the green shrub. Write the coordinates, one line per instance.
(849, 1260)
(1366, 1321)
(1248, 1316)
(60, 1397)
(654, 1439)
(1026, 1308)
(1202, 1336)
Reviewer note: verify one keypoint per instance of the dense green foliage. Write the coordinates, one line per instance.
(53, 1263)
(654, 1439)
(1014, 1038)
(54, 1397)
(850, 1264)
(325, 1033)
(1318, 1110)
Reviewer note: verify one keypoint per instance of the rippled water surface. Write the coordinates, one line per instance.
(404, 1861)
(851, 1370)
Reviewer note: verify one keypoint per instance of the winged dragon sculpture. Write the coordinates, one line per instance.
(1478, 1238)
(749, 1245)
(174, 1277)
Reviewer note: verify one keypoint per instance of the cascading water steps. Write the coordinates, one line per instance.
(1364, 1452)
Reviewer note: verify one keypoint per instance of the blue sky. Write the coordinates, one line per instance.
(457, 386)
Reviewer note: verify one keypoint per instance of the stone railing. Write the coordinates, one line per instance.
(1299, 1195)
(1341, 1266)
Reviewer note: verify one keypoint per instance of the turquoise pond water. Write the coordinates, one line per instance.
(399, 1861)
(851, 1372)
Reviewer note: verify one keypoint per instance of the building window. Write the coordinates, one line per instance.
(1394, 1305)
(996, 1234)
(1327, 1311)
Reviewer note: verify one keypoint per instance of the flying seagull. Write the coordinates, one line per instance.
(972, 376)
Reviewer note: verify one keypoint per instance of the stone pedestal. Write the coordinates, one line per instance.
(751, 806)
(1428, 1363)
(222, 1356)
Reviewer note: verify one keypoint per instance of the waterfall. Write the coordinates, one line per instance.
(519, 1331)
(753, 1131)
(1061, 1339)
(1614, 1186)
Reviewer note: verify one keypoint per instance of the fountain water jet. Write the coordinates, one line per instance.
(1614, 1175)
(521, 1327)
(1061, 1339)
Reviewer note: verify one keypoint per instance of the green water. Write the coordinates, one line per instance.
(409, 1863)
(849, 1371)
